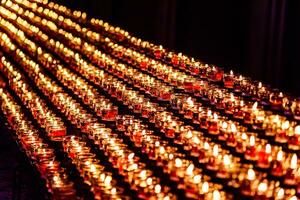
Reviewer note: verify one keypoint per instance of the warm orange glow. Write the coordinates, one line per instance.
(251, 174)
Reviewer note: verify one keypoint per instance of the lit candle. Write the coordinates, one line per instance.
(213, 125)
(228, 80)
(279, 194)
(204, 189)
(291, 174)
(251, 150)
(212, 162)
(262, 191)
(226, 166)
(277, 165)
(294, 140)
(216, 195)
(281, 135)
(246, 187)
(264, 157)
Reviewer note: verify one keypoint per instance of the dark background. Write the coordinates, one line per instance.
(258, 38)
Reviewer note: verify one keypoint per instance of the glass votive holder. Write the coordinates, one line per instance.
(276, 99)
(110, 113)
(229, 80)
(214, 74)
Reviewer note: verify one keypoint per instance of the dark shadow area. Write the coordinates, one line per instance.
(258, 38)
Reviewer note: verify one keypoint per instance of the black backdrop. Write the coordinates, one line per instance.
(258, 38)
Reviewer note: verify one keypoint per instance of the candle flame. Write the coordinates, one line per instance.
(143, 174)
(254, 107)
(113, 191)
(206, 146)
(196, 140)
(173, 124)
(130, 156)
(205, 187)
(279, 155)
(233, 128)
(224, 125)
(294, 161)
(93, 168)
(250, 174)
(244, 136)
(215, 116)
(242, 103)
(262, 187)
(189, 134)
(226, 160)
(166, 198)
(157, 188)
(297, 130)
(231, 97)
(209, 113)
(280, 94)
(178, 162)
(197, 179)
(216, 195)
(56, 178)
(157, 144)
(276, 119)
(107, 180)
(252, 140)
(285, 125)
(190, 102)
(149, 181)
(259, 85)
(280, 193)
(162, 150)
(231, 72)
(190, 169)
(293, 198)
(268, 148)
(215, 150)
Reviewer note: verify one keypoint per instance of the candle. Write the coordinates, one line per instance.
(228, 80)
(231, 135)
(204, 190)
(223, 172)
(262, 191)
(251, 150)
(294, 140)
(246, 187)
(281, 135)
(216, 195)
(264, 157)
(276, 100)
(279, 194)
(212, 162)
(291, 174)
(213, 125)
(277, 165)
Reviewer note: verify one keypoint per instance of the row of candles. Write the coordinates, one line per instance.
(231, 104)
(215, 192)
(126, 162)
(49, 167)
(293, 139)
(37, 150)
(256, 90)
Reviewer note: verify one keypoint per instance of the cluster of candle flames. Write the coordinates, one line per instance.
(199, 124)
